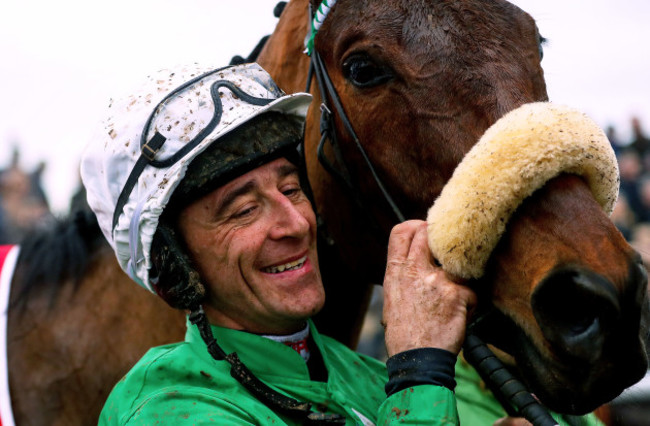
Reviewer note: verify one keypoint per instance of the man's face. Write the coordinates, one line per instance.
(253, 241)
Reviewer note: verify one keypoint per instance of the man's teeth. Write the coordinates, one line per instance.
(287, 266)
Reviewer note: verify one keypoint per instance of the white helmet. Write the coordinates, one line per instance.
(132, 167)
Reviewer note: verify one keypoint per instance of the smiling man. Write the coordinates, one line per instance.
(195, 183)
(253, 242)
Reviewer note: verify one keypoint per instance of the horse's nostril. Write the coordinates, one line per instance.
(575, 310)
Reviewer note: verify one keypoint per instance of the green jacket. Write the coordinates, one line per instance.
(180, 384)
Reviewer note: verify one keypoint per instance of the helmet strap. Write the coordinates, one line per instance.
(172, 274)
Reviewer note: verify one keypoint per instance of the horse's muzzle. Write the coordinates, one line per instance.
(596, 329)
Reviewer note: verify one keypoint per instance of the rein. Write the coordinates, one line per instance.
(510, 392)
(513, 396)
(503, 384)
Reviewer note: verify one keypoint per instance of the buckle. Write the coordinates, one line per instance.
(325, 110)
(151, 148)
(148, 152)
(325, 119)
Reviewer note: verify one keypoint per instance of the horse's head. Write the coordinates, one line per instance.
(421, 81)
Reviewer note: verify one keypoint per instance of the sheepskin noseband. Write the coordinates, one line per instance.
(516, 156)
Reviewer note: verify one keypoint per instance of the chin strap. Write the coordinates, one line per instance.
(276, 401)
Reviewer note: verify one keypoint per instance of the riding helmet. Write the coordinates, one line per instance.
(198, 123)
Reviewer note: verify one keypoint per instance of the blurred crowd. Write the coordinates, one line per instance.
(632, 211)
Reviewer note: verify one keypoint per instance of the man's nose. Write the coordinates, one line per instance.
(289, 220)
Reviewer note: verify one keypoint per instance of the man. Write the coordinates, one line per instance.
(195, 185)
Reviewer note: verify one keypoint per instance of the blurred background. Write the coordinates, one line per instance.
(61, 62)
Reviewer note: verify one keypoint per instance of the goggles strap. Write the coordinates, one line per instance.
(150, 148)
(146, 157)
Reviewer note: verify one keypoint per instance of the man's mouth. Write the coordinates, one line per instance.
(296, 264)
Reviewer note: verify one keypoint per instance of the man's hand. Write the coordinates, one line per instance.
(423, 307)
(512, 421)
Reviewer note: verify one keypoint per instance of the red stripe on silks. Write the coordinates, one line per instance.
(4, 251)
(6, 407)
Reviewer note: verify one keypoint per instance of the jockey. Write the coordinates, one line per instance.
(195, 183)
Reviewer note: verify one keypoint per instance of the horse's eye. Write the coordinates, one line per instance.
(363, 72)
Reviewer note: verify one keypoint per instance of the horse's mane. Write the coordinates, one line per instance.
(252, 57)
(61, 252)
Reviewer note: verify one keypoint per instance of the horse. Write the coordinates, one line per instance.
(23, 204)
(420, 81)
(76, 324)
(411, 86)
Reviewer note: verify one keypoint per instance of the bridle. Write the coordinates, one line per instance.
(509, 391)
(329, 98)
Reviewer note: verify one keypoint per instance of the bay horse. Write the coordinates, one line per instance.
(420, 80)
(76, 324)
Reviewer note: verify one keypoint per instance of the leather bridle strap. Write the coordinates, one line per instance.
(508, 390)
(328, 132)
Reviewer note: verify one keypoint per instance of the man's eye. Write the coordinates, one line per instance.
(245, 212)
(292, 192)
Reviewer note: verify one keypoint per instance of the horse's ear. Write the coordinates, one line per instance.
(279, 8)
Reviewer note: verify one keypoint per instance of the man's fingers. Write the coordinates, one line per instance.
(400, 240)
(470, 298)
(419, 250)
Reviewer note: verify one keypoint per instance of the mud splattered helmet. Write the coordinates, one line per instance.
(183, 134)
